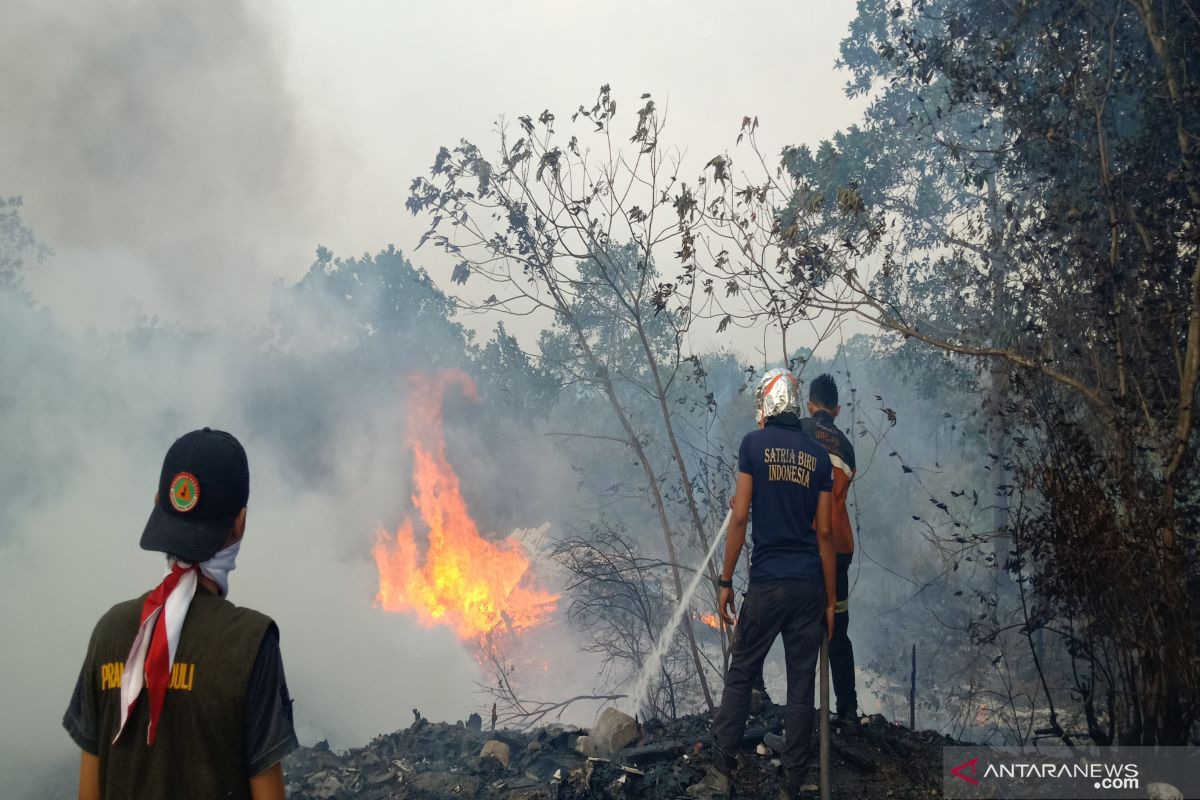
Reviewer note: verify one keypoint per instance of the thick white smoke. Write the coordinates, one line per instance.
(159, 156)
(158, 150)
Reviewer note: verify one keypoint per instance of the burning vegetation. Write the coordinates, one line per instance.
(475, 585)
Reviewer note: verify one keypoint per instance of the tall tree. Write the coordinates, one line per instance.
(556, 229)
(1024, 190)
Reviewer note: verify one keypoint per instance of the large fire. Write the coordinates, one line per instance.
(475, 585)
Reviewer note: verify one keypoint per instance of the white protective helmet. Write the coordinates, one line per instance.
(778, 392)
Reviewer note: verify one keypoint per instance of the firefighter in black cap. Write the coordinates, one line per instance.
(182, 694)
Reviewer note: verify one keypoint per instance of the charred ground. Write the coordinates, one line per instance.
(880, 759)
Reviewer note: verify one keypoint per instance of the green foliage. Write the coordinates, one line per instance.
(511, 382)
(381, 298)
(17, 245)
(607, 309)
(1034, 168)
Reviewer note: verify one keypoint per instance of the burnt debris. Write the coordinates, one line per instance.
(439, 761)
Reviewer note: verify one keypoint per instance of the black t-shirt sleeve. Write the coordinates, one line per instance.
(269, 734)
(80, 718)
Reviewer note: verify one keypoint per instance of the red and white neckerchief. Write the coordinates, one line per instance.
(153, 652)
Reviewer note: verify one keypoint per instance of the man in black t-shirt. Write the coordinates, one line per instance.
(182, 694)
(786, 477)
(824, 407)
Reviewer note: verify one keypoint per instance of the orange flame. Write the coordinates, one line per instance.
(711, 620)
(465, 581)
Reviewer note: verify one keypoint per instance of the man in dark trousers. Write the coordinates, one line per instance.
(823, 409)
(182, 694)
(785, 476)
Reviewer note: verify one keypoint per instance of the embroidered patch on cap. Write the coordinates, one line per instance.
(185, 492)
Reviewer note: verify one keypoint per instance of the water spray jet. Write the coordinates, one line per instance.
(633, 700)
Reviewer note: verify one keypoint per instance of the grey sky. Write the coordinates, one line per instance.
(390, 83)
(397, 82)
(180, 159)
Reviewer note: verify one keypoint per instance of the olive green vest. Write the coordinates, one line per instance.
(198, 751)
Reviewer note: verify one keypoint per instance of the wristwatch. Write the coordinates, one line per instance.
(724, 584)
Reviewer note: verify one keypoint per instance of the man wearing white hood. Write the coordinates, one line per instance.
(182, 694)
(786, 477)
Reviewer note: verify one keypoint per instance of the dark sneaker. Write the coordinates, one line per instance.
(714, 784)
(847, 723)
(775, 741)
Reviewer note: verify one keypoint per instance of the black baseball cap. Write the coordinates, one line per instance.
(204, 484)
